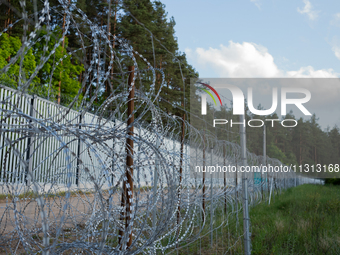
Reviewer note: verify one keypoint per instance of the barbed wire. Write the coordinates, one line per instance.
(64, 173)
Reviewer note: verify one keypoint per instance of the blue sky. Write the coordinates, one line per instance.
(264, 38)
(259, 38)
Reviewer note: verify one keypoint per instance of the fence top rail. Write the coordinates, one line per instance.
(15, 91)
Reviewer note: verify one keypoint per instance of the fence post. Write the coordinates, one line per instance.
(129, 156)
(174, 164)
(113, 153)
(78, 152)
(236, 192)
(270, 192)
(264, 157)
(195, 173)
(203, 179)
(245, 187)
(180, 175)
(127, 194)
(155, 183)
(225, 181)
(211, 199)
(29, 168)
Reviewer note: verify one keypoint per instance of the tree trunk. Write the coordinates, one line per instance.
(62, 52)
(114, 34)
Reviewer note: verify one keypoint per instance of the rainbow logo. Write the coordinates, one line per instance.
(204, 98)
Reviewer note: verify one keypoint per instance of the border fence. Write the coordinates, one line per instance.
(46, 156)
(78, 157)
(118, 177)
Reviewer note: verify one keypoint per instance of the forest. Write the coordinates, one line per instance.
(134, 22)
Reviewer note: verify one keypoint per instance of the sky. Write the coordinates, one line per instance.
(260, 38)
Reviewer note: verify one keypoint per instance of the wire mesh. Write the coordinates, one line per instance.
(63, 165)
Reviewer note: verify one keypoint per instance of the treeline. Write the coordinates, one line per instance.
(126, 20)
(306, 143)
(145, 26)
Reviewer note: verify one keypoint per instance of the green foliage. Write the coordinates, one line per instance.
(66, 71)
(114, 16)
(9, 47)
(302, 220)
(274, 152)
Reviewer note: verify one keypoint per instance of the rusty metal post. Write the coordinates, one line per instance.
(129, 152)
(127, 195)
(180, 174)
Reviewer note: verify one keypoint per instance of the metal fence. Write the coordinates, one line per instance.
(67, 181)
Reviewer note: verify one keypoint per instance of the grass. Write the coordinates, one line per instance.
(223, 237)
(23, 195)
(32, 194)
(301, 220)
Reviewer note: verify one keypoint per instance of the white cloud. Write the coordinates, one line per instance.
(257, 3)
(237, 60)
(312, 15)
(309, 72)
(336, 20)
(336, 50)
(247, 60)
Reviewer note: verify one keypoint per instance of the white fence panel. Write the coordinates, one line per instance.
(57, 155)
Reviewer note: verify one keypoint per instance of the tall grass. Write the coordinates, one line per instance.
(301, 220)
